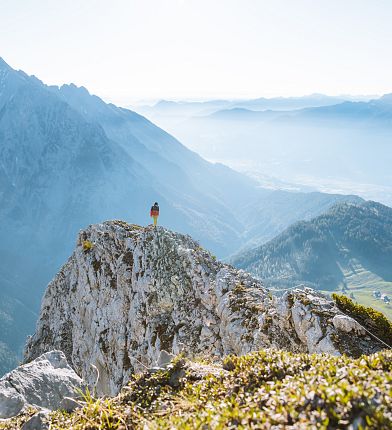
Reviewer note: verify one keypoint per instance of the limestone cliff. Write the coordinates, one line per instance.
(128, 292)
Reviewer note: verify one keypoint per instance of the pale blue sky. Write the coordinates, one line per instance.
(125, 50)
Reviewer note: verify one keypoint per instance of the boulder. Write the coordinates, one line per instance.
(347, 324)
(42, 383)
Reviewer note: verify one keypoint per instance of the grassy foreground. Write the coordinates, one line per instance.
(263, 390)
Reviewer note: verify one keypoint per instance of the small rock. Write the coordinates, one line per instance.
(155, 369)
(37, 422)
(69, 405)
(164, 358)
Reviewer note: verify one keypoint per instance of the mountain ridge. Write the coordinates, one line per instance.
(363, 113)
(327, 251)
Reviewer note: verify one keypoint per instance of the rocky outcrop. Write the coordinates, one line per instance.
(128, 292)
(43, 383)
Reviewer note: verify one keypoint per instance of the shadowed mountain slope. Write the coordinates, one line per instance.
(329, 251)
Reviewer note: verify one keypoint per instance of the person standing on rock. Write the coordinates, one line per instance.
(154, 213)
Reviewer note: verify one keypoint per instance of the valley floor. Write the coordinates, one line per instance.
(361, 282)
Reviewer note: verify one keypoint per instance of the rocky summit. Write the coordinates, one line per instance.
(128, 293)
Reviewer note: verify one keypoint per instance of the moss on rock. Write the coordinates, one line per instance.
(374, 321)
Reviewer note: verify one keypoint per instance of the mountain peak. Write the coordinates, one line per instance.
(4, 65)
(128, 293)
(74, 88)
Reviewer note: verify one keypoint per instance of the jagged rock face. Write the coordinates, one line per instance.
(129, 292)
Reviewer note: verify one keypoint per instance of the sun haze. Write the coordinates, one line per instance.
(130, 49)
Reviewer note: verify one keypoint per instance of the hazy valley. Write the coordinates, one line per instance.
(329, 144)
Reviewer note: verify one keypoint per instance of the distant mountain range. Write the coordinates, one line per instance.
(350, 246)
(67, 160)
(200, 108)
(364, 113)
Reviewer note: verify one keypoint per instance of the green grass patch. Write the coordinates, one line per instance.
(365, 298)
(87, 245)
